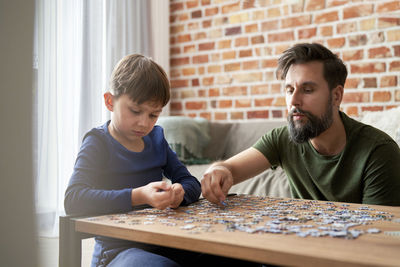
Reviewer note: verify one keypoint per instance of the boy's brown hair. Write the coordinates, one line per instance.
(141, 79)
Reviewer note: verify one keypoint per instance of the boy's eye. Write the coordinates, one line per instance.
(134, 111)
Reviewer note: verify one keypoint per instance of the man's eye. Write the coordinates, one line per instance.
(289, 91)
(153, 115)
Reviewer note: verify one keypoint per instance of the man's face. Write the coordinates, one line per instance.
(309, 101)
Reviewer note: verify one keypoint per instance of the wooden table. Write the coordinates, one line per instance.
(204, 227)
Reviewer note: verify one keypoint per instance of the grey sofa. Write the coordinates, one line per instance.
(228, 139)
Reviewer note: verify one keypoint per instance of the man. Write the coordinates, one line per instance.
(325, 154)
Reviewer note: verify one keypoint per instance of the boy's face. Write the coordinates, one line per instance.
(131, 121)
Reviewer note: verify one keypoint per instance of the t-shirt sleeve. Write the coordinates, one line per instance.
(268, 145)
(382, 176)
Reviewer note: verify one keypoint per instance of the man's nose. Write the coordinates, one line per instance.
(295, 98)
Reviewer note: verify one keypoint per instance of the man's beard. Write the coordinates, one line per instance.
(313, 127)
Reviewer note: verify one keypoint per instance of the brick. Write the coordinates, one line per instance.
(247, 77)
(307, 33)
(259, 89)
(200, 59)
(263, 102)
(174, 50)
(215, 57)
(207, 46)
(195, 82)
(388, 7)
(193, 26)
(371, 108)
(393, 35)
(358, 11)
(179, 83)
(352, 111)
(248, 4)
(211, 11)
(184, 38)
(237, 115)
(396, 49)
(277, 113)
(183, 17)
(358, 40)
(370, 82)
(279, 102)
(176, 106)
(394, 66)
(205, 2)
(368, 67)
(350, 55)
(368, 24)
(326, 17)
(259, 15)
(387, 22)
(229, 55)
(192, 4)
(196, 14)
(326, 30)
(245, 53)
(189, 48)
(249, 65)
(376, 38)
(269, 63)
(276, 88)
(174, 73)
(224, 79)
(200, 35)
(233, 30)
(195, 105)
(201, 70)
(208, 81)
(242, 103)
(273, 12)
(220, 116)
(313, 5)
(232, 66)
(213, 104)
(296, 21)
(397, 95)
(177, 29)
(241, 41)
(257, 114)
(225, 103)
(234, 91)
(231, 8)
(251, 28)
(281, 37)
(352, 83)
(257, 39)
(238, 18)
(188, 71)
(388, 81)
(179, 61)
(347, 27)
(201, 93)
(336, 42)
(270, 25)
(188, 94)
(215, 33)
(214, 69)
(224, 44)
(173, 7)
(205, 115)
(357, 97)
(379, 52)
(213, 92)
(206, 23)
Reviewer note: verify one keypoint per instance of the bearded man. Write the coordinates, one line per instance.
(325, 154)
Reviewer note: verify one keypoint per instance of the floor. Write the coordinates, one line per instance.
(48, 251)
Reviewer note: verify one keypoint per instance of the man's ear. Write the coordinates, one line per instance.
(109, 101)
(337, 95)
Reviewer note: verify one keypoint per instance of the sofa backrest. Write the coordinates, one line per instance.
(229, 138)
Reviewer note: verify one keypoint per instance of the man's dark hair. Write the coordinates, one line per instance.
(335, 72)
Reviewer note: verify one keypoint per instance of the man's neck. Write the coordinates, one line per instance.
(333, 140)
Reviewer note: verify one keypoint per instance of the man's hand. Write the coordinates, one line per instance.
(178, 193)
(216, 182)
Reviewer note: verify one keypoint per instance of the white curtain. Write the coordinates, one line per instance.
(77, 43)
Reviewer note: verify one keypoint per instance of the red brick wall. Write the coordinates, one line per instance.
(224, 53)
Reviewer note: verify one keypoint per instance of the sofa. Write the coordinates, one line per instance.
(199, 142)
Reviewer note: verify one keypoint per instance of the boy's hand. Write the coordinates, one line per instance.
(178, 193)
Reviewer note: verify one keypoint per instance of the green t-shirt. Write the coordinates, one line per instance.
(366, 171)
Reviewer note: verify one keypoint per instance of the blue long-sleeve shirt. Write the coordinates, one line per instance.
(105, 173)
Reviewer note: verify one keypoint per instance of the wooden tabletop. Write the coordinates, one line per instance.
(267, 230)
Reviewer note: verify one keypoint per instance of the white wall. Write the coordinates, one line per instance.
(17, 223)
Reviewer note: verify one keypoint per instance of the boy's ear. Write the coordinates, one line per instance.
(109, 101)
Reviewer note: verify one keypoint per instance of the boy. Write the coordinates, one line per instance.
(121, 163)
